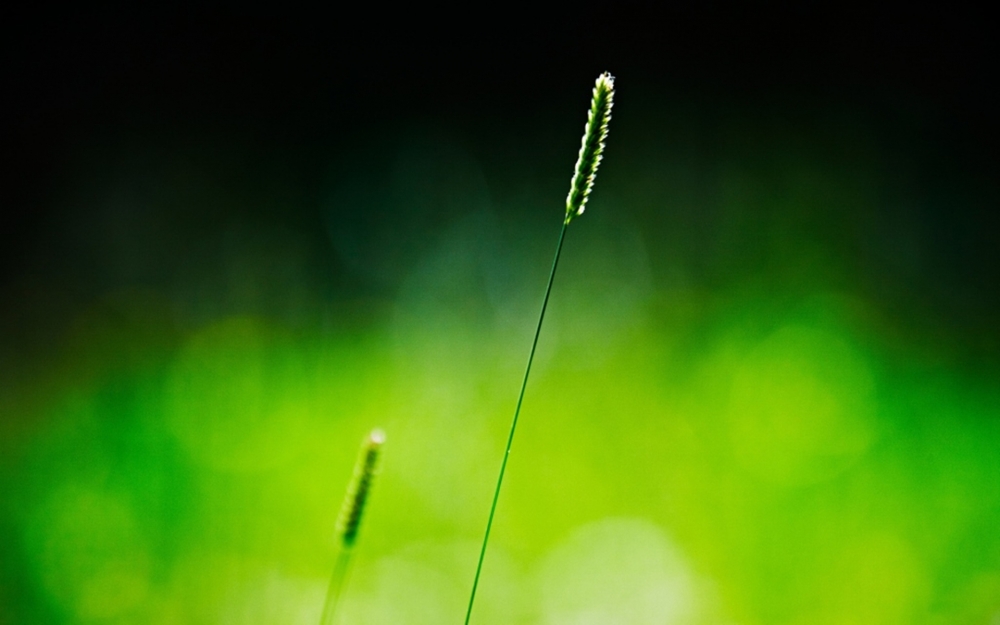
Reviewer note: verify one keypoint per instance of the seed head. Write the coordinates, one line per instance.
(349, 520)
(592, 147)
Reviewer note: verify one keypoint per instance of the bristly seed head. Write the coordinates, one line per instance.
(357, 492)
(592, 147)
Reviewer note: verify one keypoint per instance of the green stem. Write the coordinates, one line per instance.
(513, 425)
(336, 585)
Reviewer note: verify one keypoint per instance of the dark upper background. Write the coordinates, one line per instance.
(294, 93)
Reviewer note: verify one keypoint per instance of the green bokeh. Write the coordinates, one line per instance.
(729, 420)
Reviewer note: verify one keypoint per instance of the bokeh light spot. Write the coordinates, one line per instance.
(617, 572)
(801, 406)
(237, 396)
(91, 554)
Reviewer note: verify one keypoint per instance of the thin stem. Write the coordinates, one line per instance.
(513, 425)
(336, 585)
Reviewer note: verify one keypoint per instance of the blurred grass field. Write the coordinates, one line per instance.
(760, 396)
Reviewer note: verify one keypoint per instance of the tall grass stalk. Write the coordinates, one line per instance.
(349, 520)
(591, 153)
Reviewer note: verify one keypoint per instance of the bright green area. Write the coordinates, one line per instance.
(769, 446)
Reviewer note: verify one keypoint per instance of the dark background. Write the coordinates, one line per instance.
(301, 89)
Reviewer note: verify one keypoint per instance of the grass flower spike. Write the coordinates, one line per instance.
(349, 520)
(595, 133)
(592, 147)
(357, 493)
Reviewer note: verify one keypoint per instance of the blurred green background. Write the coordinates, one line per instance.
(767, 386)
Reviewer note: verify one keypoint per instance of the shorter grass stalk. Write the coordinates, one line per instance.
(349, 520)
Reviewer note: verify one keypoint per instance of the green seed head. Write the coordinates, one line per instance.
(357, 493)
(592, 147)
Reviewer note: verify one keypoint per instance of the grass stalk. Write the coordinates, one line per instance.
(591, 152)
(349, 520)
(336, 585)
